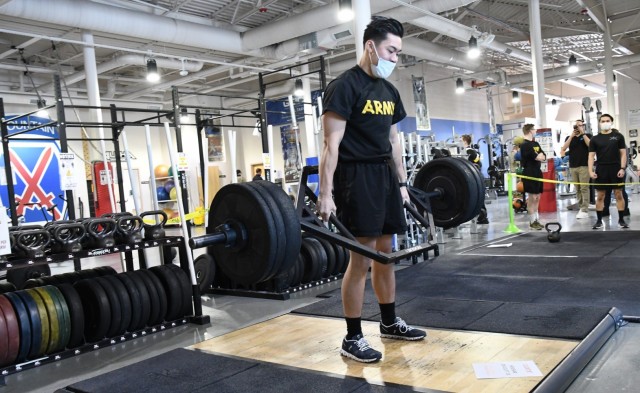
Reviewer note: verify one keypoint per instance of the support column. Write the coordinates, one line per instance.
(608, 64)
(361, 18)
(538, 67)
(93, 95)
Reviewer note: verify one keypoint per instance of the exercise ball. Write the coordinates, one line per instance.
(168, 212)
(161, 170)
(520, 186)
(162, 194)
(170, 172)
(168, 185)
(173, 194)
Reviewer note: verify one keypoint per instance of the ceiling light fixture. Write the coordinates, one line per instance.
(298, 92)
(459, 86)
(474, 51)
(615, 81)
(554, 102)
(183, 71)
(152, 71)
(345, 10)
(515, 97)
(573, 64)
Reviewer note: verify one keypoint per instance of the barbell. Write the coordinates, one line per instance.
(254, 231)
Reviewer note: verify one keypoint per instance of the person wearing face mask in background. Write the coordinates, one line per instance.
(607, 194)
(363, 181)
(611, 152)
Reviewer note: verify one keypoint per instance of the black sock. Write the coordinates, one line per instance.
(599, 214)
(620, 215)
(354, 327)
(388, 313)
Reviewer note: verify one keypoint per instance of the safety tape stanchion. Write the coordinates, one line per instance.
(512, 228)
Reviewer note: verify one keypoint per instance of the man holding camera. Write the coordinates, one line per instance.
(578, 145)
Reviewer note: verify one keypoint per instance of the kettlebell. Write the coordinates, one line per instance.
(553, 235)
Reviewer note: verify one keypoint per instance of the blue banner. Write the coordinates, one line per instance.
(35, 170)
(278, 112)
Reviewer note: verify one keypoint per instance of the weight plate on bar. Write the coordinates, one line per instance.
(481, 189)
(22, 314)
(13, 329)
(331, 256)
(280, 238)
(76, 314)
(459, 188)
(252, 262)
(291, 223)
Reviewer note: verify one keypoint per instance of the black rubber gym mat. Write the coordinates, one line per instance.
(516, 294)
(183, 370)
(581, 244)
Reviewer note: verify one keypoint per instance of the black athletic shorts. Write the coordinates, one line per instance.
(532, 186)
(368, 199)
(607, 174)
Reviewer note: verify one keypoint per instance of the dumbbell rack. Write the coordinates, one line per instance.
(170, 241)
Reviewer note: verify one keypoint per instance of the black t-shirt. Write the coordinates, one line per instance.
(474, 157)
(529, 150)
(607, 147)
(370, 107)
(578, 151)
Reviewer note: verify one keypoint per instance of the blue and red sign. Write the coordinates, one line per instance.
(36, 176)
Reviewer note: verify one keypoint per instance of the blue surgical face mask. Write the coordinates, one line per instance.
(384, 68)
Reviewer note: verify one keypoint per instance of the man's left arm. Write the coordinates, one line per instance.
(396, 151)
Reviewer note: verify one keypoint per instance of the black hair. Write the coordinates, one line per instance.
(379, 27)
(608, 115)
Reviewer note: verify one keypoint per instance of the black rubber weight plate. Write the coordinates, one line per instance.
(125, 301)
(154, 302)
(205, 270)
(331, 256)
(115, 324)
(161, 295)
(173, 290)
(25, 325)
(291, 223)
(256, 259)
(76, 314)
(280, 238)
(96, 308)
(13, 329)
(64, 318)
(459, 185)
(136, 302)
(187, 291)
(310, 256)
(145, 301)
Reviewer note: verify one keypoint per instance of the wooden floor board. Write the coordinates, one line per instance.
(443, 361)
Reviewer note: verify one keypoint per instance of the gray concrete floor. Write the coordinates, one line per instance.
(614, 368)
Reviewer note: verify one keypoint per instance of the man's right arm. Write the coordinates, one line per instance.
(333, 126)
